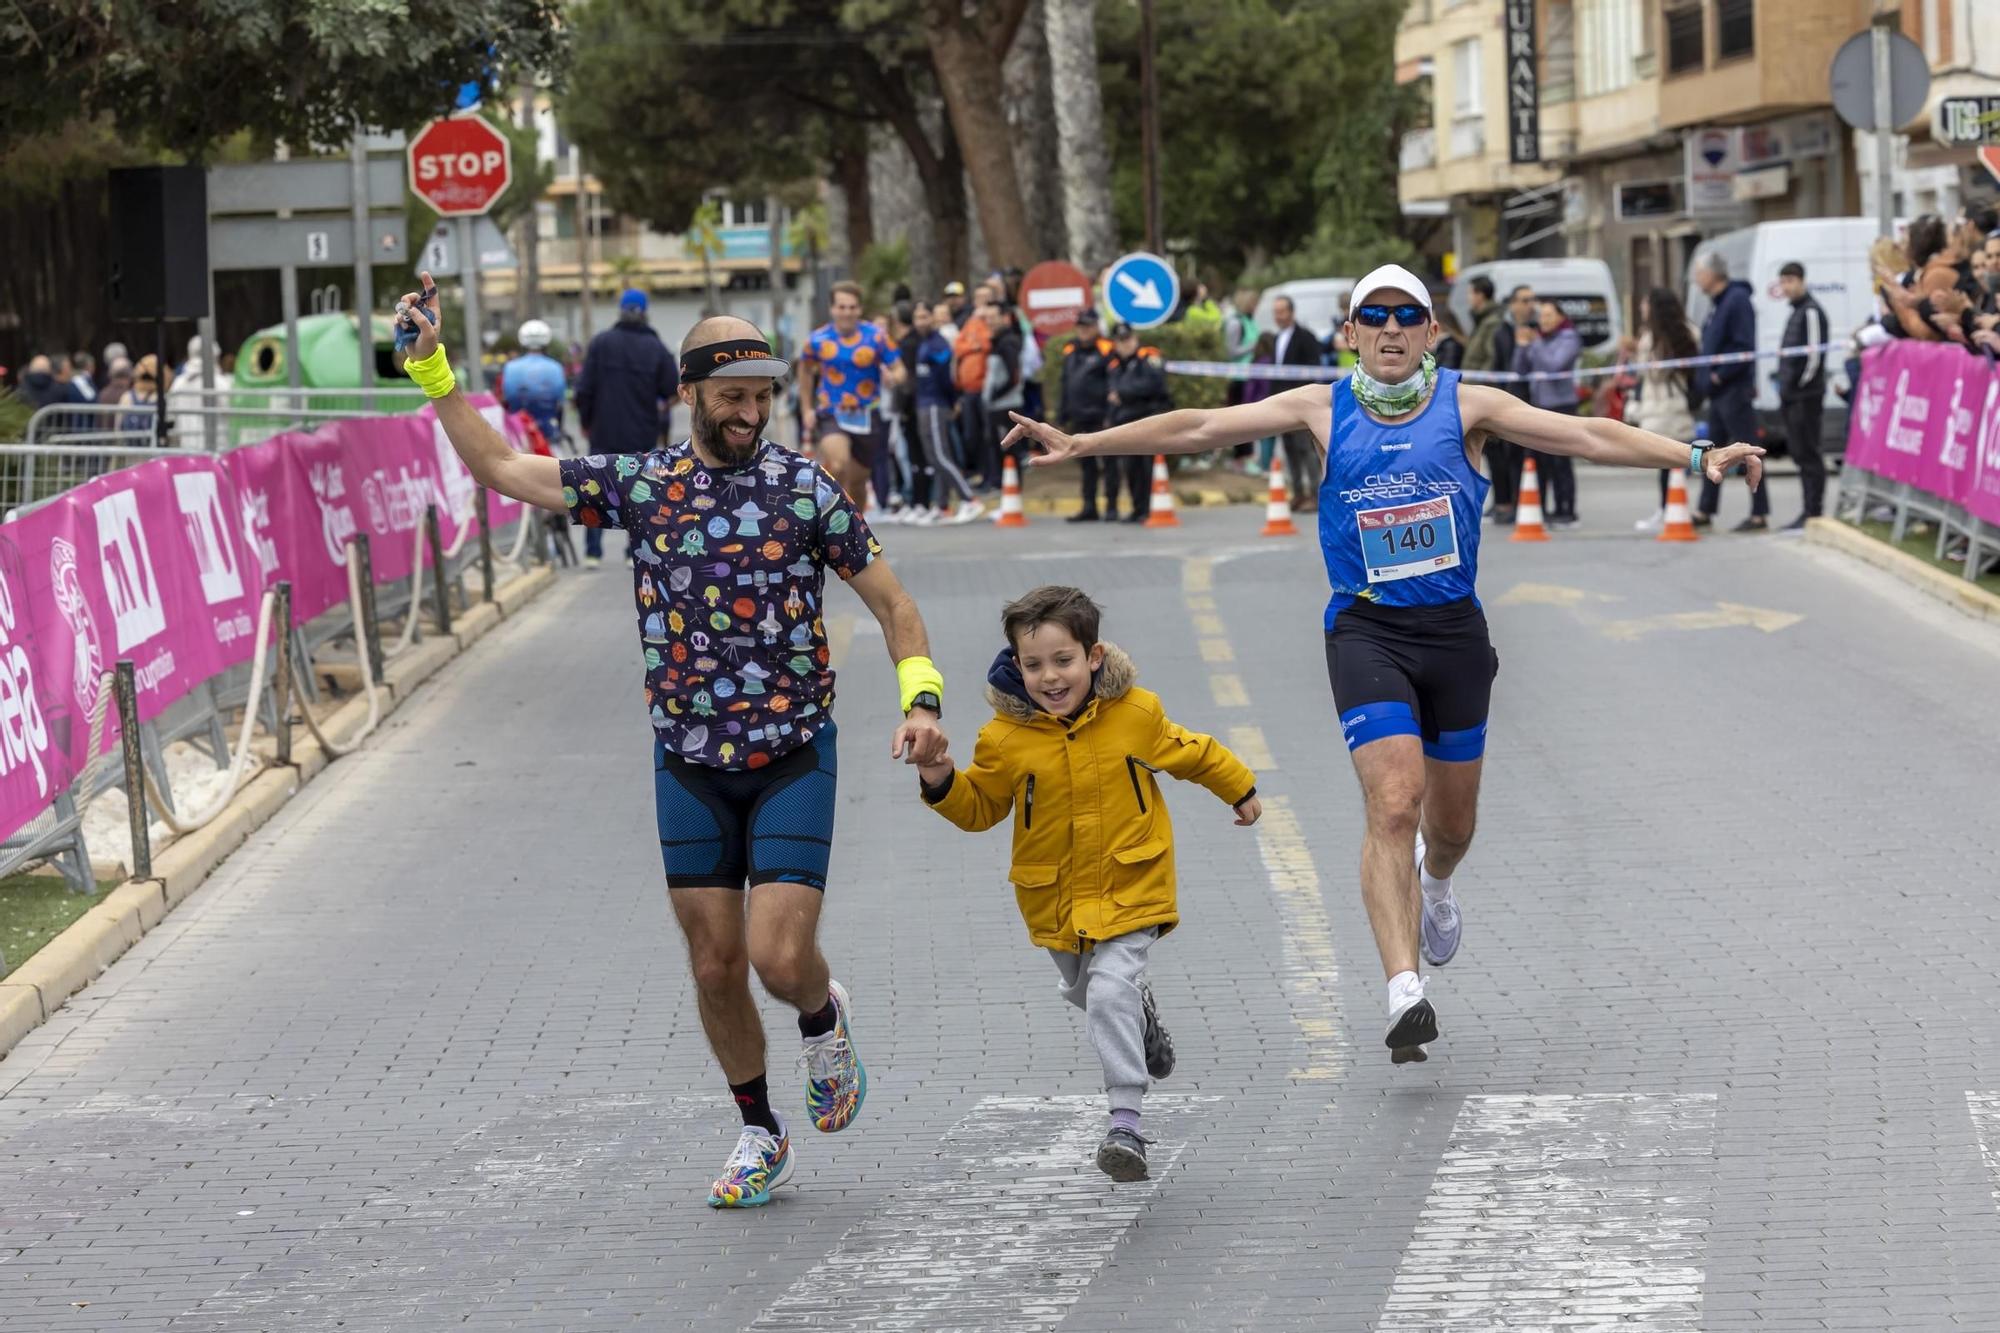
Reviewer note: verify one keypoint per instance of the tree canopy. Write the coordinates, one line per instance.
(186, 75)
(1275, 123)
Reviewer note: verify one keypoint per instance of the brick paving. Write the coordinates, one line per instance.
(423, 1053)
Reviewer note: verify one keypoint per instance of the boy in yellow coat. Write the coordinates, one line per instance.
(1073, 751)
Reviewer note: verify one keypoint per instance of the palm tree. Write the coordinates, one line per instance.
(704, 237)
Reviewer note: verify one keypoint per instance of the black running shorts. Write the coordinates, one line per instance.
(1424, 671)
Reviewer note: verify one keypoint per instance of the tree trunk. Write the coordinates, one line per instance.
(968, 71)
(940, 168)
(1079, 105)
(850, 177)
(528, 268)
(1037, 151)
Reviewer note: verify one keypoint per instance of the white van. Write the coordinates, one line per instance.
(1318, 303)
(1834, 252)
(1581, 287)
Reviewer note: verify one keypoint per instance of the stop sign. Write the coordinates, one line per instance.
(1054, 293)
(460, 165)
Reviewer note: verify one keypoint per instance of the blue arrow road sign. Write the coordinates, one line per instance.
(1141, 290)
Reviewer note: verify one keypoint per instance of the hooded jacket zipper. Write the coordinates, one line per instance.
(1028, 805)
(1132, 769)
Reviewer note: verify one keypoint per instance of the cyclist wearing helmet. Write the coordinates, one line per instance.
(533, 382)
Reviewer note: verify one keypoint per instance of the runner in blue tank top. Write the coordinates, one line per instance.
(1406, 644)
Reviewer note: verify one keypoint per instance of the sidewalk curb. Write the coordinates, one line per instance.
(1189, 498)
(36, 989)
(1968, 597)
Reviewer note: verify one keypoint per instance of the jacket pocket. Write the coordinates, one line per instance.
(1132, 767)
(1138, 880)
(1032, 874)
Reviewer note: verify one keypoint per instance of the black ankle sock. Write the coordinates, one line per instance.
(754, 1100)
(821, 1023)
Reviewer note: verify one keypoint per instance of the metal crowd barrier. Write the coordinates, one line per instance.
(1863, 494)
(202, 716)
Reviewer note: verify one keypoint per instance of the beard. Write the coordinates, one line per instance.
(708, 431)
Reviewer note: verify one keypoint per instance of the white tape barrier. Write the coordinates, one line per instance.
(239, 768)
(353, 742)
(1235, 370)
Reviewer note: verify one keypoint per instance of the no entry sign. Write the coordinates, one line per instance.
(1054, 293)
(460, 165)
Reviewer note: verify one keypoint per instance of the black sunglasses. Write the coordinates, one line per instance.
(1376, 316)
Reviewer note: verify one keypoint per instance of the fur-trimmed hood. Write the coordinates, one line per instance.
(1009, 696)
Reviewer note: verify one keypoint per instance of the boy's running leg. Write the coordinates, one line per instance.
(1115, 1021)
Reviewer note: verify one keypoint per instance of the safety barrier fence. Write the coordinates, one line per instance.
(207, 582)
(1240, 370)
(1923, 443)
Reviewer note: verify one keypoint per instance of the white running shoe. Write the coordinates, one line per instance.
(1652, 524)
(1442, 925)
(1412, 1026)
(968, 511)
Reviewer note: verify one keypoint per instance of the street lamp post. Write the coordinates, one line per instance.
(1149, 126)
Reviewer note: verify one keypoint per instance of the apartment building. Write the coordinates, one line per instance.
(1660, 122)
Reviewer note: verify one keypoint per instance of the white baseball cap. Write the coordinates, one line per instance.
(1391, 278)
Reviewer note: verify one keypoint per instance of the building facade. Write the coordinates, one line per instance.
(1661, 122)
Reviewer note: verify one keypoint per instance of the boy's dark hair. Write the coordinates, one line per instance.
(1053, 605)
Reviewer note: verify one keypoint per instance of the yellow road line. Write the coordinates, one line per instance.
(1199, 602)
(1208, 624)
(1198, 574)
(1307, 969)
(839, 637)
(1228, 690)
(1251, 748)
(1217, 650)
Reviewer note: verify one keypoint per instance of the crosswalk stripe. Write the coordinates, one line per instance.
(1006, 1235)
(1985, 1109)
(1563, 1212)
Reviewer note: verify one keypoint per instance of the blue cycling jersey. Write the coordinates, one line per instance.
(1399, 509)
(534, 383)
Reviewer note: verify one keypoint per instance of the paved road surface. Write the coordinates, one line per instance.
(1719, 1050)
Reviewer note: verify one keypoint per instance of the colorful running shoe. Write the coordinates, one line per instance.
(836, 1080)
(1442, 925)
(762, 1162)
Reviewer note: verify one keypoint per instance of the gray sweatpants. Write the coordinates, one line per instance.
(1104, 983)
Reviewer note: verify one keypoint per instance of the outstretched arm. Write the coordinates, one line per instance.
(1599, 439)
(494, 464)
(921, 738)
(1191, 430)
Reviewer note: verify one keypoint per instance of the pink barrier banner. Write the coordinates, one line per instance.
(1929, 414)
(166, 563)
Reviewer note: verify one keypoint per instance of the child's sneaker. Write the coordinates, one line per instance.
(762, 1162)
(836, 1080)
(1122, 1156)
(1159, 1042)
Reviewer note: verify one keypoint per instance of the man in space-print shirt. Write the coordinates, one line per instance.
(728, 575)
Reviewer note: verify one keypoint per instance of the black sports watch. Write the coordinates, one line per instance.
(926, 699)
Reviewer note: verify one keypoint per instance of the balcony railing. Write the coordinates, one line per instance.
(1420, 150)
(1468, 137)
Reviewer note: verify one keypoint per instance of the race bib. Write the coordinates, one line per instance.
(1407, 541)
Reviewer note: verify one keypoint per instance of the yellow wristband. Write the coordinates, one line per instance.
(915, 676)
(432, 374)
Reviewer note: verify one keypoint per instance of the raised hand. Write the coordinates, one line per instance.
(1054, 445)
(419, 321)
(1717, 463)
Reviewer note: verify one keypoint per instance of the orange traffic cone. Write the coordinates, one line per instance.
(1012, 514)
(1160, 514)
(1278, 509)
(1679, 527)
(1528, 520)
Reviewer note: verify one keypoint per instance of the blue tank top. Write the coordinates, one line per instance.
(1399, 509)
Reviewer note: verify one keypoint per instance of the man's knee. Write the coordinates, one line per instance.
(718, 968)
(784, 965)
(1394, 806)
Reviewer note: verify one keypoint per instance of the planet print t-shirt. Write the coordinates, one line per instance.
(728, 570)
(850, 372)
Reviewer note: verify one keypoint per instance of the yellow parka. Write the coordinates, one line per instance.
(1093, 843)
